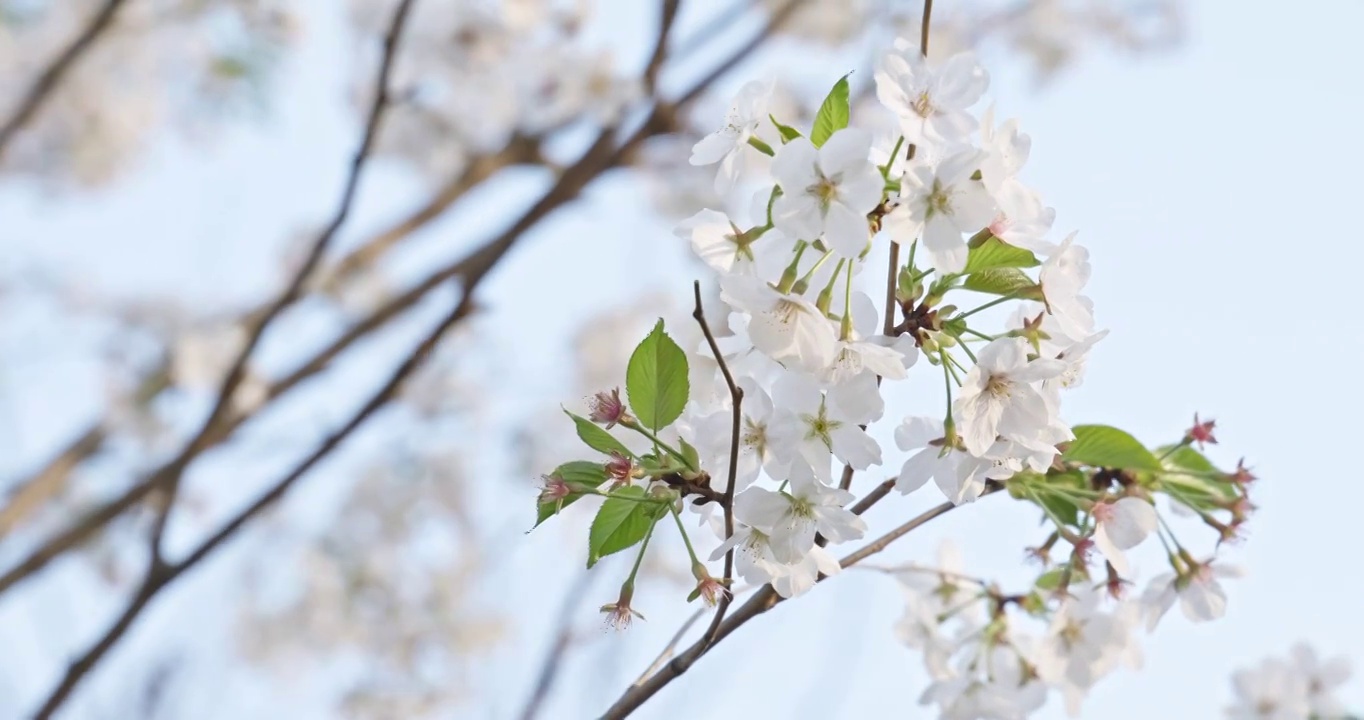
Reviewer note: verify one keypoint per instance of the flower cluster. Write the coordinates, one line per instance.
(1298, 687)
(763, 431)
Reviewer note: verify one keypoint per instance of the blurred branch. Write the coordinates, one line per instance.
(549, 669)
(764, 600)
(52, 77)
(160, 574)
(602, 155)
(209, 432)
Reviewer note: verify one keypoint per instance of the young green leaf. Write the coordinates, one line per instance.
(597, 437)
(1051, 579)
(656, 380)
(995, 253)
(788, 133)
(1003, 281)
(621, 522)
(1109, 447)
(833, 113)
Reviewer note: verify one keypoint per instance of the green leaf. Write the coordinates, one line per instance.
(833, 113)
(690, 453)
(1060, 506)
(597, 437)
(583, 474)
(1185, 458)
(656, 380)
(788, 133)
(1109, 447)
(995, 253)
(1051, 579)
(620, 523)
(1003, 281)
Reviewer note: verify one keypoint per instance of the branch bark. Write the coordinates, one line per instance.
(50, 78)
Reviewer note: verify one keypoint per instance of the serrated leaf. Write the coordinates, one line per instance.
(833, 113)
(1109, 447)
(583, 474)
(597, 436)
(1002, 281)
(995, 253)
(620, 523)
(788, 133)
(656, 380)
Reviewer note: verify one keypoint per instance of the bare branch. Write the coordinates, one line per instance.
(736, 397)
(161, 575)
(52, 77)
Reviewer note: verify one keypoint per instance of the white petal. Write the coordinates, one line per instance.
(1133, 520)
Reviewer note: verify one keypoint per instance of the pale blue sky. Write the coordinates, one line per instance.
(1213, 185)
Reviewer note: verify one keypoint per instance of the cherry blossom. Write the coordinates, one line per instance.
(827, 191)
(746, 113)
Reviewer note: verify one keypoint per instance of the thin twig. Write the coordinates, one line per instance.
(923, 28)
(736, 397)
(51, 77)
(764, 600)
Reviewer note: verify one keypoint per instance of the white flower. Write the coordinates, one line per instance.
(1083, 643)
(998, 398)
(1273, 691)
(796, 578)
(1006, 149)
(1021, 219)
(814, 424)
(828, 191)
(1323, 679)
(940, 204)
(722, 245)
(1120, 526)
(1062, 277)
(961, 477)
(714, 434)
(931, 104)
(1200, 595)
(786, 328)
(748, 110)
(866, 353)
(791, 519)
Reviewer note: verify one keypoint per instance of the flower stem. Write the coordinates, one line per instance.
(885, 169)
(686, 540)
(659, 443)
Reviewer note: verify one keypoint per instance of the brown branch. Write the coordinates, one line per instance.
(160, 575)
(667, 14)
(923, 28)
(209, 432)
(471, 269)
(736, 397)
(764, 600)
(50, 78)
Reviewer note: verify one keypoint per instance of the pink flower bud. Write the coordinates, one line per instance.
(607, 408)
(1201, 432)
